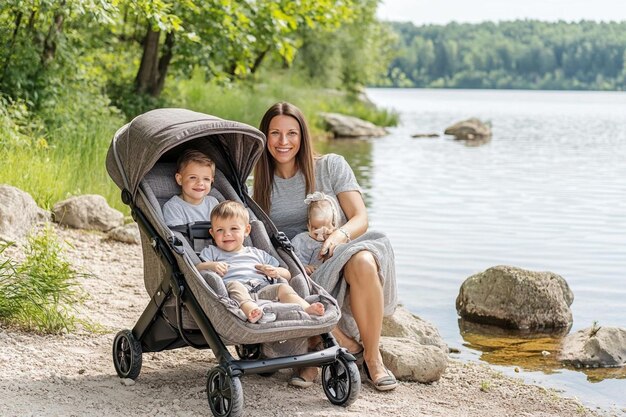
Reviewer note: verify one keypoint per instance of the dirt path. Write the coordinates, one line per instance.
(73, 375)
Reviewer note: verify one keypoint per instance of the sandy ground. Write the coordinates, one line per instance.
(73, 375)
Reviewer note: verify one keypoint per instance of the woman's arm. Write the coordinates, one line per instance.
(353, 206)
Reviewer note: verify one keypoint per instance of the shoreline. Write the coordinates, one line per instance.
(73, 374)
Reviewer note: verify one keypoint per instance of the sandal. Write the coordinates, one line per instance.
(299, 381)
(384, 383)
(358, 356)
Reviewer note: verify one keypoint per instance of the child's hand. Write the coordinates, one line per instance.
(269, 270)
(219, 267)
(310, 269)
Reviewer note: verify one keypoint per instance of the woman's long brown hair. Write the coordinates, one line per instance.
(264, 169)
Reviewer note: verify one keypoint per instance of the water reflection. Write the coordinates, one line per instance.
(475, 142)
(358, 153)
(528, 351)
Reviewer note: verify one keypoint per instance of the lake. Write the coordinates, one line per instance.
(546, 193)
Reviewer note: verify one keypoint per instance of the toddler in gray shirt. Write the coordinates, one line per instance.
(194, 173)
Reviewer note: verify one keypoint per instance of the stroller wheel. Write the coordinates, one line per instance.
(224, 393)
(248, 352)
(126, 355)
(341, 381)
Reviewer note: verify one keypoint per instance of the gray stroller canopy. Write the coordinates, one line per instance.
(138, 145)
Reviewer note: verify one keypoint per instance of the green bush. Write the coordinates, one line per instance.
(246, 102)
(42, 292)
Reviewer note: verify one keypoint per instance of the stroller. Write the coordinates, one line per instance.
(189, 308)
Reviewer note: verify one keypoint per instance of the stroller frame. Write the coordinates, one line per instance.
(154, 332)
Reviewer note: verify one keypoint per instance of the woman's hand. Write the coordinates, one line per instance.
(328, 247)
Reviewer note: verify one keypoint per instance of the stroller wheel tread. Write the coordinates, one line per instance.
(224, 393)
(126, 355)
(341, 381)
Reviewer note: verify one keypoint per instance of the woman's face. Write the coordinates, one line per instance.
(283, 139)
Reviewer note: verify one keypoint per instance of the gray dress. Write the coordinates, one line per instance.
(333, 176)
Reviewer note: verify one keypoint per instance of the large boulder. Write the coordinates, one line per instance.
(18, 213)
(409, 360)
(595, 347)
(515, 298)
(129, 233)
(412, 348)
(87, 212)
(344, 126)
(407, 325)
(469, 129)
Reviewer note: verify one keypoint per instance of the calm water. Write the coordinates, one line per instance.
(547, 192)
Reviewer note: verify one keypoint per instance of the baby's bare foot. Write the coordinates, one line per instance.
(255, 315)
(315, 309)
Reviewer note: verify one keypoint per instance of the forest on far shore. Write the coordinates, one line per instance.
(522, 54)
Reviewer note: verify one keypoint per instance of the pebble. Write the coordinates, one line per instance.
(127, 381)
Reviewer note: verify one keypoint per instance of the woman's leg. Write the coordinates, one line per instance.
(367, 303)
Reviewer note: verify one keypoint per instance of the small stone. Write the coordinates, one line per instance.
(545, 353)
(127, 382)
(81, 371)
(516, 369)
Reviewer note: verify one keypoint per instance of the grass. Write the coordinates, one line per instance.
(485, 386)
(60, 152)
(247, 102)
(42, 292)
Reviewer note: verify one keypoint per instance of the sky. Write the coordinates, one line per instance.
(422, 12)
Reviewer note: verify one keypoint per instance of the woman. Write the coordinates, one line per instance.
(360, 275)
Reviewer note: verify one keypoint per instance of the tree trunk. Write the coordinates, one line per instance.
(258, 60)
(147, 74)
(50, 42)
(164, 62)
(11, 44)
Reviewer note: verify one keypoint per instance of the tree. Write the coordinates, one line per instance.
(225, 37)
(35, 35)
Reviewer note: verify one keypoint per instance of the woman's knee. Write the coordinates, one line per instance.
(361, 266)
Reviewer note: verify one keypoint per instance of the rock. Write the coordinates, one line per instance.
(425, 135)
(344, 126)
(129, 233)
(18, 213)
(405, 324)
(409, 360)
(87, 212)
(595, 347)
(469, 129)
(515, 298)
(127, 382)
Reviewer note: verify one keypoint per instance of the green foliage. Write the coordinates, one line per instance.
(519, 54)
(67, 157)
(351, 56)
(42, 292)
(69, 74)
(246, 102)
